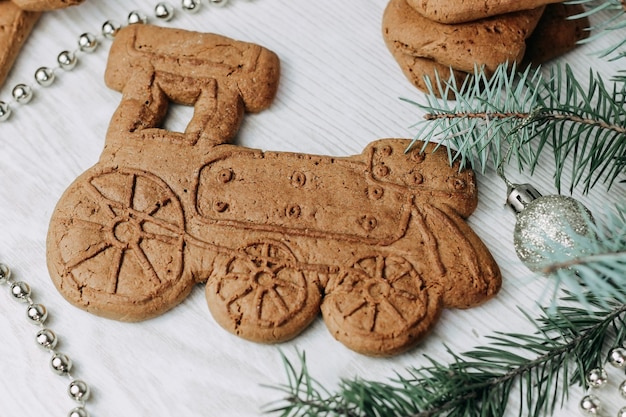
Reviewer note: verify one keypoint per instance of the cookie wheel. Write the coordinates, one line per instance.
(115, 245)
(261, 294)
(380, 306)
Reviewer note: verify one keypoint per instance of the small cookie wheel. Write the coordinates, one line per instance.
(115, 245)
(380, 306)
(261, 294)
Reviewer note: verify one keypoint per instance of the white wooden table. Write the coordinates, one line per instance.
(339, 90)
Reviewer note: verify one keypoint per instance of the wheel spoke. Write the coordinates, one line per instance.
(405, 294)
(280, 282)
(370, 319)
(114, 271)
(406, 270)
(242, 292)
(355, 306)
(145, 263)
(258, 301)
(390, 309)
(91, 252)
(380, 267)
(278, 302)
(170, 240)
(132, 187)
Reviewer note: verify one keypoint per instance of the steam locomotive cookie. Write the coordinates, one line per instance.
(17, 18)
(376, 241)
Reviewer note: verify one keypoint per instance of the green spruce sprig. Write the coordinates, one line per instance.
(539, 368)
(600, 266)
(614, 19)
(517, 115)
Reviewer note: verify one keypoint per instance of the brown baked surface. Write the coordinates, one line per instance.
(15, 26)
(553, 25)
(488, 42)
(461, 11)
(555, 34)
(376, 241)
(43, 5)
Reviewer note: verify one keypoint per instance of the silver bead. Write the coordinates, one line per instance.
(590, 405)
(622, 389)
(22, 93)
(5, 111)
(37, 313)
(87, 42)
(61, 364)
(136, 17)
(621, 412)
(218, 3)
(617, 357)
(21, 291)
(597, 378)
(44, 76)
(46, 339)
(110, 29)
(5, 273)
(164, 11)
(67, 60)
(78, 412)
(78, 390)
(191, 6)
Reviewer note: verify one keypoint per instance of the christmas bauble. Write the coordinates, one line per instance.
(546, 230)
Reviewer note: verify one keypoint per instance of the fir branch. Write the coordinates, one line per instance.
(614, 18)
(516, 115)
(542, 366)
(600, 267)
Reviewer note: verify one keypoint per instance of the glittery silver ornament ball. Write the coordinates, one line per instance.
(545, 229)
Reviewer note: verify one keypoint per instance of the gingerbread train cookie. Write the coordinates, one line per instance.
(377, 241)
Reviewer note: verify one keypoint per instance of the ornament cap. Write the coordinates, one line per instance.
(519, 195)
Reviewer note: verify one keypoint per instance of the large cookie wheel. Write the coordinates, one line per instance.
(380, 306)
(115, 245)
(260, 293)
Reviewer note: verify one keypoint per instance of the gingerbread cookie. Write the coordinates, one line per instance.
(17, 19)
(488, 42)
(563, 33)
(44, 5)
(15, 26)
(454, 11)
(377, 241)
(556, 34)
(421, 71)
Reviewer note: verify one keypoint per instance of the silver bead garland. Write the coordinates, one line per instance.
(88, 42)
(590, 404)
(60, 363)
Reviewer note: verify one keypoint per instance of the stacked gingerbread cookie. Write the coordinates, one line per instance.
(447, 38)
(17, 19)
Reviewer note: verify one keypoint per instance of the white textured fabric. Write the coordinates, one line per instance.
(339, 90)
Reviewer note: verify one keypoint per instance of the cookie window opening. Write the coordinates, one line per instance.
(177, 118)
